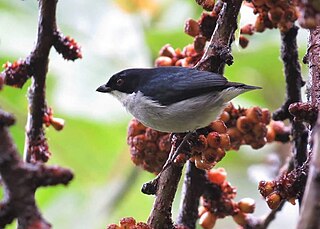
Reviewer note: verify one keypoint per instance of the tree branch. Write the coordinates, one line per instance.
(166, 187)
(192, 189)
(21, 181)
(309, 217)
(39, 60)
(218, 52)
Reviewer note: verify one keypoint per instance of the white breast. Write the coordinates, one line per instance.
(183, 116)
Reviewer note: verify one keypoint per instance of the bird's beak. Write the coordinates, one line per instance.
(104, 89)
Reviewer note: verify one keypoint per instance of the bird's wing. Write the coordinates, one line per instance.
(174, 84)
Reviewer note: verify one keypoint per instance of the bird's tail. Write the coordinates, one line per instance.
(234, 89)
(242, 86)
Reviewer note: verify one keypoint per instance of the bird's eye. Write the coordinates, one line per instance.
(119, 82)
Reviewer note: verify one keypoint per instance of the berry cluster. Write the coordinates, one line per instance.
(309, 12)
(168, 56)
(67, 46)
(203, 28)
(305, 112)
(48, 120)
(271, 14)
(218, 201)
(249, 126)
(16, 74)
(274, 14)
(129, 223)
(149, 148)
(210, 146)
(289, 186)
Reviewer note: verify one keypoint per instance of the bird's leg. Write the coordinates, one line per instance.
(174, 155)
(150, 188)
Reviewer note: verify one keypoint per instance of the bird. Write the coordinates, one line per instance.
(173, 99)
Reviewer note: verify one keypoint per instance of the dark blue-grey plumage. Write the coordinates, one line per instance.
(168, 85)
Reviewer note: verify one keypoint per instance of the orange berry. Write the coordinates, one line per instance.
(259, 143)
(259, 24)
(225, 116)
(244, 124)
(217, 176)
(164, 143)
(201, 164)
(192, 27)
(240, 218)
(213, 139)
(254, 114)
(243, 41)
(290, 14)
(167, 50)
(266, 187)
(271, 135)
(163, 61)
(247, 29)
(139, 141)
(246, 205)
(201, 210)
(151, 134)
(200, 144)
(273, 200)
(249, 138)
(266, 116)
(258, 2)
(199, 43)
(218, 126)
(209, 155)
(127, 222)
(235, 137)
(207, 220)
(260, 130)
(271, 3)
(225, 141)
(275, 14)
(220, 154)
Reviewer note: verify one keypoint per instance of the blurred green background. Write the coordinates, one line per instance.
(115, 35)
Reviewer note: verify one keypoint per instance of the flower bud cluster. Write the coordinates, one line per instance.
(218, 201)
(48, 119)
(168, 56)
(250, 126)
(210, 146)
(149, 148)
(15, 74)
(39, 151)
(67, 46)
(289, 186)
(129, 223)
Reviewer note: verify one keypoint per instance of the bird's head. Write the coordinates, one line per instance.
(125, 81)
